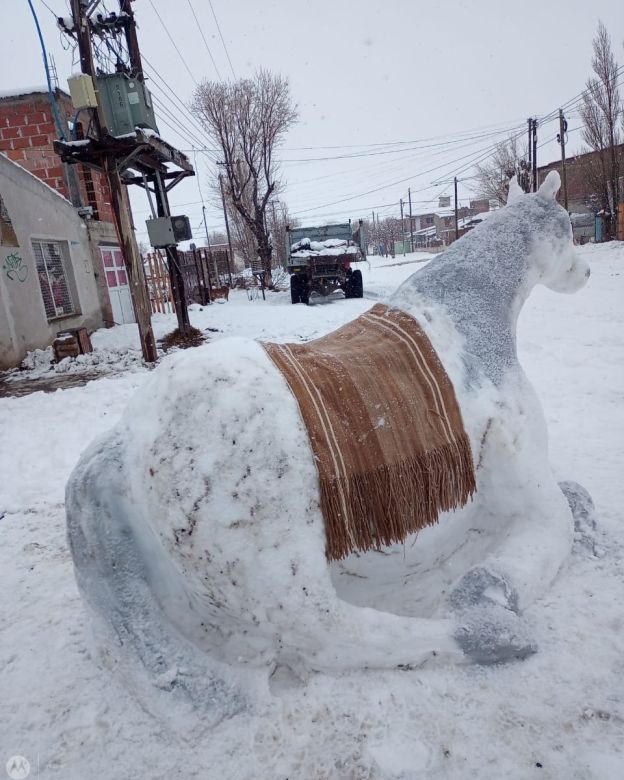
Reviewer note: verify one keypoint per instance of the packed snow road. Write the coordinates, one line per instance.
(558, 714)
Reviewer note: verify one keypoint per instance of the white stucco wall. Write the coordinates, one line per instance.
(39, 213)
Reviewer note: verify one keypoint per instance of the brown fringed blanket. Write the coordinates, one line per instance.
(385, 428)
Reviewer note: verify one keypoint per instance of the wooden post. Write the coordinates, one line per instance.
(402, 229)
(409, 195)
(133, 261)
(535, 155)
(530, 123)
(227, 227)
(456, 218)
(207, 267)
(563, 126)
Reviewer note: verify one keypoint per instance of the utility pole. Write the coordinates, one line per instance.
(530, 146)
(210, 257)
(119, 196)
(227, 226)
(160, 191)
(456, 219)
(402, 228)
(173, 261)
(409, 195)
(535, 155)
(563, 128)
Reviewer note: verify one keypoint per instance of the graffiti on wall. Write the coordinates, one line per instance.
(15, 268)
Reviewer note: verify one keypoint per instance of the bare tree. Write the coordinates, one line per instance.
(493, 175)
(385, 233)
(601, 112)
(278, 220)
(247, 119)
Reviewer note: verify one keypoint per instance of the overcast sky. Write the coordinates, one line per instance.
(365, 75)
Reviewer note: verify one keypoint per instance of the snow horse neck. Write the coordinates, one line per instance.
(483, 279)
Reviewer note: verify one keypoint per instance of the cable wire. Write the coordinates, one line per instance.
(175, 45)
(227, 54)
(204, 38)
(44, 53)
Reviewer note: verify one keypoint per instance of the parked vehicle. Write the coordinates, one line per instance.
(320, 258)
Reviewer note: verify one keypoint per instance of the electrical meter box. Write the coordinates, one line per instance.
(182, 228)
(126, 103)
(168, 231)
(82, 91)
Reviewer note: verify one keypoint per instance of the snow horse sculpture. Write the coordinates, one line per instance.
(195, 524)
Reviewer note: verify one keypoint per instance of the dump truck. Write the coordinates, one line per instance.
(320, 258)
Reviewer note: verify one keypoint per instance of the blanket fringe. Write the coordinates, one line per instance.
(394, 501)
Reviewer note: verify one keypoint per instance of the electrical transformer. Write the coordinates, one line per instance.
(126, 103)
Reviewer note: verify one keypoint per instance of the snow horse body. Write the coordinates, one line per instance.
(195, 524)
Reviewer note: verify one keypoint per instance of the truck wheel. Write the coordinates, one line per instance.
(295, 289)
(357, 285)
(304, 292)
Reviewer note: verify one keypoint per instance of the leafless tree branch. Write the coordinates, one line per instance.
(248, 119)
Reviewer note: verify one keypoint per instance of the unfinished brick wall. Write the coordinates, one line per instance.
(27, 132)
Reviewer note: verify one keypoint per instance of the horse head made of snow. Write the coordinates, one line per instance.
(195, 524)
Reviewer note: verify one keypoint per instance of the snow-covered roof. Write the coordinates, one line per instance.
(36, 178)
(23, 91)
(428, 231)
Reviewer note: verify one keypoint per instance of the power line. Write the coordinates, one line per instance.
(491, 128)
(401, 150)
(54, 14)
(175, 45)
(392, 184)
(459, 141)
(204, 38)
(227, 54)
(180, 106)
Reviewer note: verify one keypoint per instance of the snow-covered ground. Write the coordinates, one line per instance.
(559, 714)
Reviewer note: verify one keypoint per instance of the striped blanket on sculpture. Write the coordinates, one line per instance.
(385, 428)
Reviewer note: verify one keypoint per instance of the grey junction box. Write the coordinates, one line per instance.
(168, 231)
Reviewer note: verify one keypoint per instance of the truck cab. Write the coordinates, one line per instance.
(320, 258)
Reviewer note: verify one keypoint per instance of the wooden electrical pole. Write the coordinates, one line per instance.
(119, 198)
(162, 199)
(530, 147)
(456, 216)
(409, 195)
(402, 228)
(227, 226)
(563, 128)
(173, 261)
(534, 155)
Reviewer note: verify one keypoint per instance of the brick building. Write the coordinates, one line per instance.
(583, 175)
(27, 132)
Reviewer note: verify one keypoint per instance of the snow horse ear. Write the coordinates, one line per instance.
(515, 190)
(550, 186)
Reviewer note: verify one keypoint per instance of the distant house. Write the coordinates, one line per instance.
(433, 227)
(48, 261)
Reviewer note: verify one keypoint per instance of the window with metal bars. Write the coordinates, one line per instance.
(55, 287)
